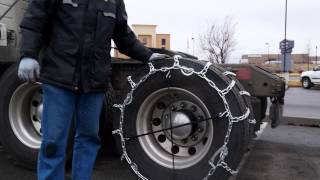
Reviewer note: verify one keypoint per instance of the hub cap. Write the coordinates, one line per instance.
(178, 119)
(305, 82)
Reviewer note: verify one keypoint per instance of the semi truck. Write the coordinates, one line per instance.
(180, 116)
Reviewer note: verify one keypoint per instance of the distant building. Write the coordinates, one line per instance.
(163, 41)
(260, 59)
(147, 34)
(273, 62)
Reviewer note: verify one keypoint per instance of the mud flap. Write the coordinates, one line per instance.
(276, 111)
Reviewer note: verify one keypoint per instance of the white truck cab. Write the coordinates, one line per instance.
(311, 78)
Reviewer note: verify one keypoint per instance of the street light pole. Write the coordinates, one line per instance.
(268, 46)
(316, 54)
(193, 45)
(286, 48)
(308, 61)
(285, 36)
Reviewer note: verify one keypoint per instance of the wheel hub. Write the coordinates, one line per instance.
(183, 112)
(25, 111)
(172, 107)
(36, 108)
(178, 119)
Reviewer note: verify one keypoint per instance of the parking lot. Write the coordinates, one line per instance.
(285, 153)
(290, 152)
(302, 103)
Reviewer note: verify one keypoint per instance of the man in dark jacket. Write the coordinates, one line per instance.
(75, 71)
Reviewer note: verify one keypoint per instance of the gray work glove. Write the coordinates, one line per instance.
(157, 56)
(29, 69)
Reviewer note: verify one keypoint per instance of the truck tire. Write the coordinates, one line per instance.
(19, 130)
(306, 83)
(191, 147)
(20, 119)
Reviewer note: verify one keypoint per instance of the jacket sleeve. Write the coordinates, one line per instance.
(125, 39)
(34, 26)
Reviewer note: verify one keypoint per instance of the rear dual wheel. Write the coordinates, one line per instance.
(20, 118)
(171, 99)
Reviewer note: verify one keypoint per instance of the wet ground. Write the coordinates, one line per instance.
(286, 153)
(302, 103)
(107, 167)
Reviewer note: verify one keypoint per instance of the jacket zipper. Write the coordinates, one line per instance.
(79, 61)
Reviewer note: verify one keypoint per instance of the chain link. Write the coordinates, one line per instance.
(223, 152)
(227, 168)
(229, 88)
(133, 85)
(244, 93)
(227, 73)
(252, 121)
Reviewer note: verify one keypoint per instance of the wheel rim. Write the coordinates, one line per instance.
(188, 144)
(305, 83)
(25, 111)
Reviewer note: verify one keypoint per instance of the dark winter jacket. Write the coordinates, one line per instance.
(77, 35)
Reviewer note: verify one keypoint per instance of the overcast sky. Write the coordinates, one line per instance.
(258, 22)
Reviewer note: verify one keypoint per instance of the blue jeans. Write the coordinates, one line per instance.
(60, 107)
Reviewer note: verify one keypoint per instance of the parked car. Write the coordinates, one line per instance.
(310, 78)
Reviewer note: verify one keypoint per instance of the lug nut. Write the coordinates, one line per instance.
(193, 108)
(162, 138)
(194, 138)
(200, 129)
(175, 149)
(192, 151)
(183, 105)
(161, 105)
(35, 103)
(156, 121)
(34, 118)
(173, 108)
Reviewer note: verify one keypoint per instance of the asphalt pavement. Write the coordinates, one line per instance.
(285, 153)
(302, 103)
(11, 171)
(107, 167)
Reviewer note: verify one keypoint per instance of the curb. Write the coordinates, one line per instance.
(300, 121)
(294, 83)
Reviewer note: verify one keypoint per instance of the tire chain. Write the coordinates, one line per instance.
(186, 71)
